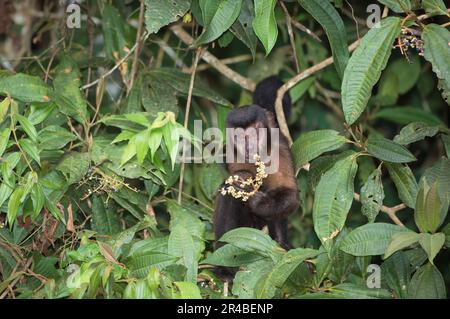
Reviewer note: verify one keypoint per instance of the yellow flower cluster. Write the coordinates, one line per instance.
(255, 183)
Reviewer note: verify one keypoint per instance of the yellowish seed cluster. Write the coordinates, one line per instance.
(255, 183)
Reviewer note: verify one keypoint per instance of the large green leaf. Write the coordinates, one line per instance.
(105, 220)
(325, 13)
(74, 166)
(397, 6)
(414, 132)
(66, 93)
(116, 33)
(312, 144)
(427, 214)
(396, 271)
(251, 240)
(231, 256)
(400, 241)
(372, 195)
(283, 269)
(181, 244)
(365, 66)
(24, 87)
(370, 239)
(432, 244)
(427, 283)
(160, 13)
(242, 28)
(218, 16)
(405, 182)
(436, 50)
(434, 7)
(265, 24)
(387, 150)
(406, 115)
(333, 199)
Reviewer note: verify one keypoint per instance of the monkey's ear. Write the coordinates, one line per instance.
(265, 95)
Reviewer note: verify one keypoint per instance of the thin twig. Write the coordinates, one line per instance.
(302, 28)
(138, 48)
(292, 82)
(391, 211)
(291, 35)
(118, 64)
(215, 62)
(186, 115)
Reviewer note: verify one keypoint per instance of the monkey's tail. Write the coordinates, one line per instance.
(265, 95)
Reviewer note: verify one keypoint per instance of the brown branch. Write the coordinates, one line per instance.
(291, 35)
(302, 28)
(292, 82)
(215, 62)
(391, 211)
(198, 53)
(138, 48)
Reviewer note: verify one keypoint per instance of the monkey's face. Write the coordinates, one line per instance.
(250, 141)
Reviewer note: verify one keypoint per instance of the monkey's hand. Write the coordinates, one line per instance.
(239, 181)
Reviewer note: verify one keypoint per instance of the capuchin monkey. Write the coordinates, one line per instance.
(278, 195)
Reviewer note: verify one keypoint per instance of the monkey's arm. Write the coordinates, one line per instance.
(275, 204)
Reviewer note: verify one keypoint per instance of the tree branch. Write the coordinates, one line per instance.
(292, 82)
(215, 62)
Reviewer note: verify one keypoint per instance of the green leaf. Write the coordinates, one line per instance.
(31, 149)
(427, 283)
(4, 106)
(434, 7)
(187, 290)
(436, 50)
(445, 140)
(161, 13)
(387, 150)
(400, 241)
(251, 240)
(14, 205)
(432, 244)
(365, 66)
(265, 24)
(407, 72)
(313, 144)
(180, 82)
(428, 208)
(25, 88)
(406, 115)
(370, 239)
(4, 138)
(396, 271)
(218, 16)
(324, 13)
(211, 177)
(398, 6)
(414, 132)
(74, 166)
(405, 182)
(283, 269)
(105, 220)
(231, 256)
(349, 291)
(158, 96)
(181, 245)
(38, 199)
(116, 32)
(242, 28)
(247, 279)
(333, 199)
(372, 195)
(141, 142)
(66, 93)
(54, 137)
(27, 127)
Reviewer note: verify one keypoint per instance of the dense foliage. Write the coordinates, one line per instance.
(90, 201)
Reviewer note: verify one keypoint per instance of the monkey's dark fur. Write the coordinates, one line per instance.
(278, 195)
